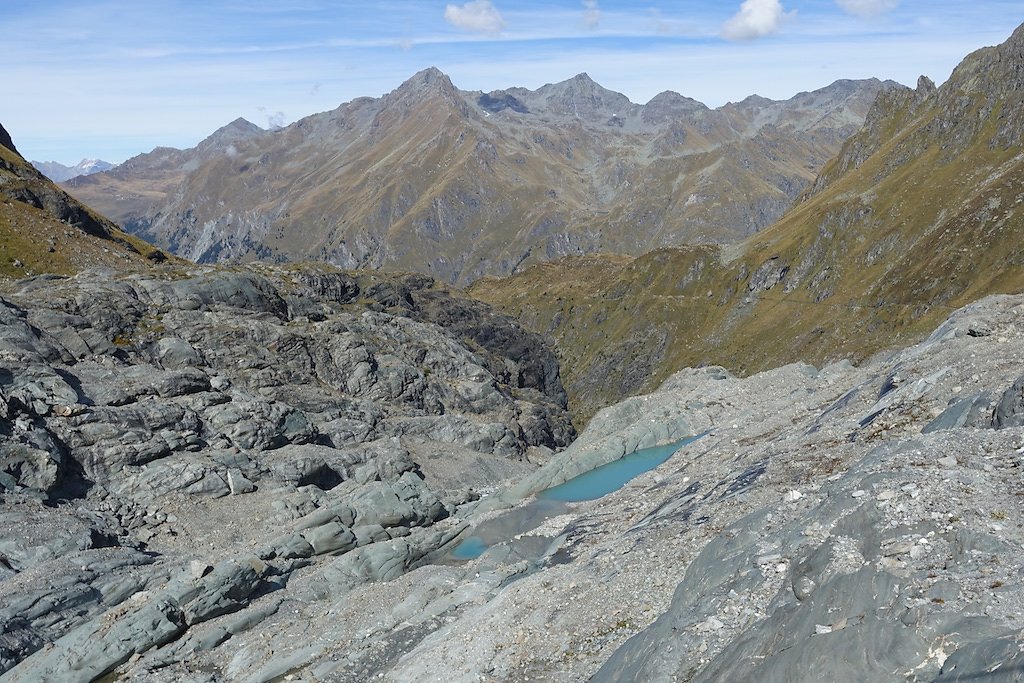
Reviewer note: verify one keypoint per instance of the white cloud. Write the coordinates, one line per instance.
(591, 14)
(275, 120)
(867, 8)
(479, 16)
(756, 18)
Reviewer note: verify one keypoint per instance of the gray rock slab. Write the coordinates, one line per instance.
(98, 647)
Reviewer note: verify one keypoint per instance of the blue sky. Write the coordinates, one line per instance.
(112, 78)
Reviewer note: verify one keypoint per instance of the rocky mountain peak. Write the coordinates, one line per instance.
(428, 85)
(993, 68)
(670, 105)
(237, 130)
(583, 79)
(582, 98)
(1017, 38)
(582, 83)
(428, 95)
(430, 75)
(242, 125)
(672, 98)
(988, 79)
(425, 82)
(925, 89)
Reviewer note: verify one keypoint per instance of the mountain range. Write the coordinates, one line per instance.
(461, 184)
(266, 472)
(919, 214)
(58, 172)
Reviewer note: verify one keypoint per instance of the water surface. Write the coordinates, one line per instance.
(590, 485)
(612, 476)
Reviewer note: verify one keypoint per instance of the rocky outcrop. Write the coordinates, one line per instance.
(175, 446)
(6, 141)
(1009, 411)
(231, 493)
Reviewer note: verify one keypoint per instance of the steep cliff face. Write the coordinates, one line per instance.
(461, 184)
(919, 213)
(5, 140)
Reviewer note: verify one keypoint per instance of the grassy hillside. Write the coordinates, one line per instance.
(43, 230)
(922, 212)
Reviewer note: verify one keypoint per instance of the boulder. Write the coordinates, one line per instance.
(1009, 410)
(330, 537)
(175, 353)
(228, 588)
(30, 467)
(407, 502)
(190, 474)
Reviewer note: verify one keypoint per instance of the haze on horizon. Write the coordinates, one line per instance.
(110, 79)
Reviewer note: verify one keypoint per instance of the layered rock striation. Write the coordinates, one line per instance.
(177, 445)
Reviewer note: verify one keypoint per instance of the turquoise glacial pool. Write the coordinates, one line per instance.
(470, 549)
(591, 485)
(612, 476)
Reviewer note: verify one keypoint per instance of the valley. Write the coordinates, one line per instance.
(323, 427)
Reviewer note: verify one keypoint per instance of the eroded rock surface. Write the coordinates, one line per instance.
(175, 448)
(830, 525)
(232, 492)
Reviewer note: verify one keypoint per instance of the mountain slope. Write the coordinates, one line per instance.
(921, 212)
(43, 229)
(460, 184)
(131, 190)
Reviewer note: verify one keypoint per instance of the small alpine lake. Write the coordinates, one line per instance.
(612, 476)
(590, 485)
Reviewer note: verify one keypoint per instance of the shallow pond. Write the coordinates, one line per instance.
(591, 485)
(612, 476)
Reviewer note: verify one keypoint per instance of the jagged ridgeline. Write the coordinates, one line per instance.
(58, 172)
(460, 184)
(265, 472)
(921, 212)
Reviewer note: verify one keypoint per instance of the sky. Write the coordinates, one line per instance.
(110, 79)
